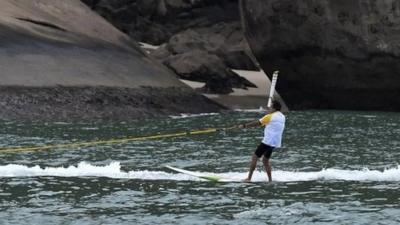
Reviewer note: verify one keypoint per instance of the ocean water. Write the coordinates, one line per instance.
(335, 167)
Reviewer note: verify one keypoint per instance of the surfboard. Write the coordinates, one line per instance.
(202, 176)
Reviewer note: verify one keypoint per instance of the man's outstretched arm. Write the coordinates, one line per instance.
(255, 123)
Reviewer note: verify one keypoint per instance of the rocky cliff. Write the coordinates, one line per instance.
(60, 60)
(333, 54)
(200, 40)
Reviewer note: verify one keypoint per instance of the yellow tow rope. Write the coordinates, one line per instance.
(113, 141)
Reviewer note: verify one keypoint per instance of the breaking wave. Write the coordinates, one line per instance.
(113, 170)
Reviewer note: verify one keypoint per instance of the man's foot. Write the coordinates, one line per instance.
(247, 180)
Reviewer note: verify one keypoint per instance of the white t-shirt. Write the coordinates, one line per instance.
(274, 126)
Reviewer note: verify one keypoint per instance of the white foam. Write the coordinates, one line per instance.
(113, 170)
(259, 110)
(187, 115)
(83, 169)
(392, 174)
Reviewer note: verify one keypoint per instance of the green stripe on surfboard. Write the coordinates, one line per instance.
(211, 178)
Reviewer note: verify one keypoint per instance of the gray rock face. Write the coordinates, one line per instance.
(58, 60)
(184, 26)
(332, 54)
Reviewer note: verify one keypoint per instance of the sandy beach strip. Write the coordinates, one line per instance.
(252, 98)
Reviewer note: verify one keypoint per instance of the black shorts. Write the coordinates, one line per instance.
(265, 150)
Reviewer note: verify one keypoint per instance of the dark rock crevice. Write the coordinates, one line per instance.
(42, 23)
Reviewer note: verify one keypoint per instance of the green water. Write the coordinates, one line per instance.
(334, 168)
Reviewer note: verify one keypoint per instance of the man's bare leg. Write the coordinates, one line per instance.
(267, 167)
(253, 165)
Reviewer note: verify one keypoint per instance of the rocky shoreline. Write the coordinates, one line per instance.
(92, 103)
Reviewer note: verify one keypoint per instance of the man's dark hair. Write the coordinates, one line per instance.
(276, 105)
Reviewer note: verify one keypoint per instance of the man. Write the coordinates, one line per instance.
(274, 123)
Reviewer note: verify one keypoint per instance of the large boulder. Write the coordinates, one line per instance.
(197, 57)
(198, 65)
(223, 40)
(60, 60)
(333, 54)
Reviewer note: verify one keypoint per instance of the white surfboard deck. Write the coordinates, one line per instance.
(203, 176)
